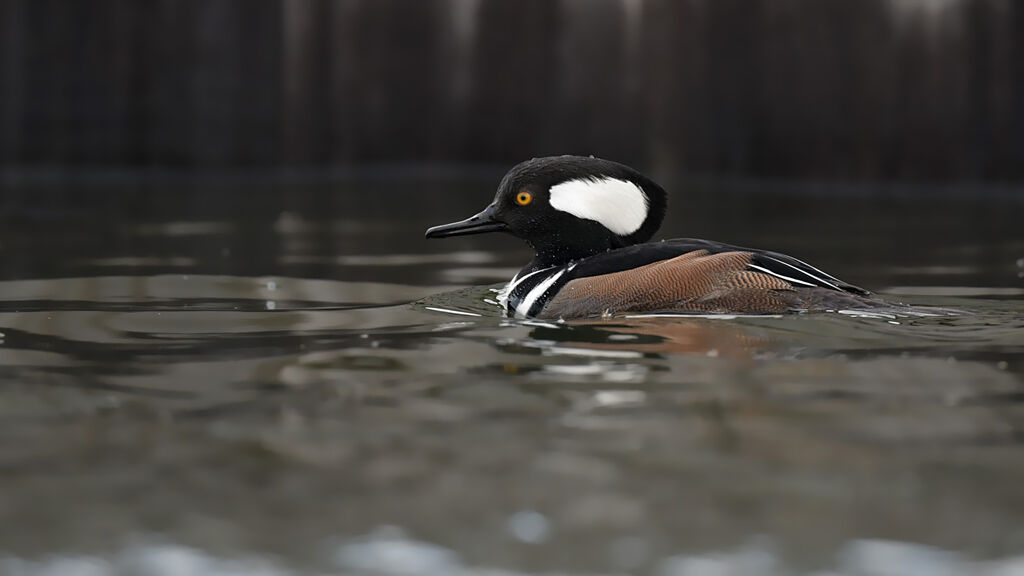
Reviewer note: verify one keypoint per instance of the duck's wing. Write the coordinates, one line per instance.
(681, 275)
(796, 272)
(695, 281)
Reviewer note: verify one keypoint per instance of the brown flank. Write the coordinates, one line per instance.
(693, 282)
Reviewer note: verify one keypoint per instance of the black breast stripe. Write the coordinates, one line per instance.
(551, 290)
(523, 287)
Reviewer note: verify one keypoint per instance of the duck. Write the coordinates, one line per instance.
(590, 222)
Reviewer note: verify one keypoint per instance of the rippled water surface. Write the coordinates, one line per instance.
(276, 374)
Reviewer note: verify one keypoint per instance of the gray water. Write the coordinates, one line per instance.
(276, 374)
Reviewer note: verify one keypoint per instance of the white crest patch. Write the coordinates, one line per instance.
(618, 205)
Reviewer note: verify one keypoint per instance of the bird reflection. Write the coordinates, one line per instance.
(659, 335)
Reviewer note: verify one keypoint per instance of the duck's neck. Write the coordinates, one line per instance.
(562, 254)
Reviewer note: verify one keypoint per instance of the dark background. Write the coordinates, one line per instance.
(920, 90)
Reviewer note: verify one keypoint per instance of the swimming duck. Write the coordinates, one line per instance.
(589, 222)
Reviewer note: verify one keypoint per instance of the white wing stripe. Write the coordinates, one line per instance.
(823, 281)
(777, 275)
(825, 274)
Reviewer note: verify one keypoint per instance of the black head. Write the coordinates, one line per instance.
(569, 207)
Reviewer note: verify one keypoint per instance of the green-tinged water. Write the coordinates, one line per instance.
(277, 375)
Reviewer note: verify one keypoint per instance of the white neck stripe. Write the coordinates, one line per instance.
(517, 280)
(506, 292)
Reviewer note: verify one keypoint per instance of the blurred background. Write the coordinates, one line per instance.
(864, 90)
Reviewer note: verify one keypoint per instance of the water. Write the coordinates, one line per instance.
(275, 374)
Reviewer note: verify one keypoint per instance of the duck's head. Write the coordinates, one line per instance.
(569, 207)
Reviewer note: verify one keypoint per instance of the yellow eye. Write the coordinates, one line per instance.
(524, 198)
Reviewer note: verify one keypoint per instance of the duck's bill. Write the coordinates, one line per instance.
(478, 224)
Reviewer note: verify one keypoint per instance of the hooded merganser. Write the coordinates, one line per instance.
(588, 220)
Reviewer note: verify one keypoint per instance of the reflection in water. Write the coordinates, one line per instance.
(278, 392)
(608, 429)
(679, 335)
